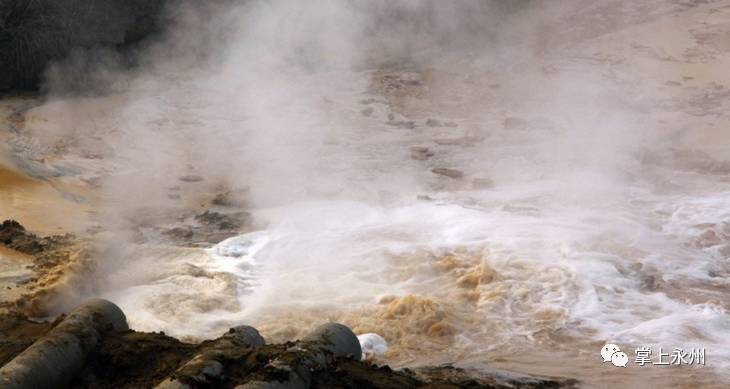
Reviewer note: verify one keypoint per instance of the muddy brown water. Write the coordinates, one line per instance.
(40, 205)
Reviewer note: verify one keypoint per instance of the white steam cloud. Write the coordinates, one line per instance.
(452, 175)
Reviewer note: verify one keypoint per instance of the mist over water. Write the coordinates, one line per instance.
(473, 181)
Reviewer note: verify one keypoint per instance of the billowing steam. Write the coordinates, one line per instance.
(463, 178)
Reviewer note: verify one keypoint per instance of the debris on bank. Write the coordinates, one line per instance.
(93, 348)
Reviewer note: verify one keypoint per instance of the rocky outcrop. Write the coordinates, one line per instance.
(92, 348)
(36, 32)
(14, 236)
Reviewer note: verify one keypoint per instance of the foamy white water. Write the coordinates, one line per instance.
(497, 271)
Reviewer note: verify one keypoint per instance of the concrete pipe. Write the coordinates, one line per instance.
(314, 351)
(241, 336)
(53, 360)
(335, 338)
(204, 368)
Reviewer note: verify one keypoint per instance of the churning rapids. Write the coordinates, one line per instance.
(513, 203)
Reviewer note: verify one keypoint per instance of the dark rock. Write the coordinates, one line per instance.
(190, 178)
(11, 229)
(13, 235)
(222, 199)
(222, 221)
(203, 229)
(451, 173)
(370, 101)
(420, 153)
(179, 234)
(133, 360)
(230, 198)
(464, 141)
(405, 124)
(649, 282)
(410, 78)
(433, 123)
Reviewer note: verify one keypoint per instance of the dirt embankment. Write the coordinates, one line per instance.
(17, 333)
(142, 360)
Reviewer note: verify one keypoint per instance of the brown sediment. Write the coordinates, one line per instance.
(15, 275)
(57, 269)
(471, 270)
(64, 274)
(421, 314)
(411, 324)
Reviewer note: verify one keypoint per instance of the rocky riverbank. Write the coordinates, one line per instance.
(130, 359)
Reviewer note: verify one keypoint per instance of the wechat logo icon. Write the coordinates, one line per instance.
(612, 353)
